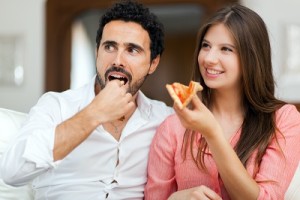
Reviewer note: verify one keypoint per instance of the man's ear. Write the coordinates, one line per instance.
(96, 52)
(154, 64)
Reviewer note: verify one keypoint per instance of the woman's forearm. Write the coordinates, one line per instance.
(238, 183)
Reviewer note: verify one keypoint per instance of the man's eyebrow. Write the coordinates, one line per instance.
(134, 45)
(129, 44)
(110, 42)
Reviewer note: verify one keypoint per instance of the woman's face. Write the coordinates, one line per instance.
(218, 59)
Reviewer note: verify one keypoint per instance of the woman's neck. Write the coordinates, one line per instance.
(227, 108)
(226, 102)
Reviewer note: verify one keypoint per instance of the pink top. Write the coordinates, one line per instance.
(168, 172)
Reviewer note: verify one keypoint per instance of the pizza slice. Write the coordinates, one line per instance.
(182, 94)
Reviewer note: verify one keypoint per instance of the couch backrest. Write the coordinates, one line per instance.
(10, 122)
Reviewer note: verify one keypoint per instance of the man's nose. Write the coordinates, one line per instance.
(119, 59)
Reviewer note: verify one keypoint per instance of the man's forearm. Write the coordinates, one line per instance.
(72, 132)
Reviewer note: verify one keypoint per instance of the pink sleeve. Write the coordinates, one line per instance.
(161, 175)
(278, 166)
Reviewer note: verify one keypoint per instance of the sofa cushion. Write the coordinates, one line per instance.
(10, 122)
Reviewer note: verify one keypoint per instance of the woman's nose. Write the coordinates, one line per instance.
(211, 57)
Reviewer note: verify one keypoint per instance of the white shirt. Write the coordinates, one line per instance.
(90, 171)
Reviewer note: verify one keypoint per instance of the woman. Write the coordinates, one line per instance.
(237, 141)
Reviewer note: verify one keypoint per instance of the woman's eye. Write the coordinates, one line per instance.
(204, 45)
(226, 49)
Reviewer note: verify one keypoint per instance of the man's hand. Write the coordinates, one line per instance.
(112, 102)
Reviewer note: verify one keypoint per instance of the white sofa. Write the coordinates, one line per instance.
(10, 121)
(293, 192)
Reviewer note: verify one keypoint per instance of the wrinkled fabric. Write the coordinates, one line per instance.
(168, 172)
(90, 171)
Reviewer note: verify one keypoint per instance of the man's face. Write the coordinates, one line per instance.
(124, 54)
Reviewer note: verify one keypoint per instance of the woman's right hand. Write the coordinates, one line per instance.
(197, 193)
(199, 119)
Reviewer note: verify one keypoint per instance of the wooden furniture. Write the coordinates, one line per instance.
(176, 62)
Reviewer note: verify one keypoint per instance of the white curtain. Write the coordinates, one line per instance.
(82, 63)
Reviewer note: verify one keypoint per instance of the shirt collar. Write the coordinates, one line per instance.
(88, 93)
(143, 104)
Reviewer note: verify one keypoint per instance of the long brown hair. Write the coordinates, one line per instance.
(253, 46)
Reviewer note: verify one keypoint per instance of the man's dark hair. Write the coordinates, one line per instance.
(131, 11)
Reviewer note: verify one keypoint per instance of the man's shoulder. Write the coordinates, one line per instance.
(69, 94)
(59, 96)
(68, 100)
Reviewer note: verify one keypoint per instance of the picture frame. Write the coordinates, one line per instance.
(11, 60)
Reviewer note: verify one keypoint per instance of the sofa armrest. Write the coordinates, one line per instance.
(10, 122)
(293, 192)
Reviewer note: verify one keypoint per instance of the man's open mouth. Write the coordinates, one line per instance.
(119, 77)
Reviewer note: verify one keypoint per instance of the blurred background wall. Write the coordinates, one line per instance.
(23, 20)
(23, 51)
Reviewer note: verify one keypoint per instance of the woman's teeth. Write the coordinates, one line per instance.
(214, 72)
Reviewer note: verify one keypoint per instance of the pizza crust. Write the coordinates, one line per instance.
(182, 94)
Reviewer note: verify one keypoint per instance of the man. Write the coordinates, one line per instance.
(93, 142)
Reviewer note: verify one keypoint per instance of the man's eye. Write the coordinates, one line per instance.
(133, 50)
(109, 47)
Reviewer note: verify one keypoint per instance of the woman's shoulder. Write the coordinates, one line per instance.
(172, 126)
(288, 119)
(172, 118)
(288, 110)
(173, 121)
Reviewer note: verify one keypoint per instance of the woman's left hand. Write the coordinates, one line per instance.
(197, 193)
